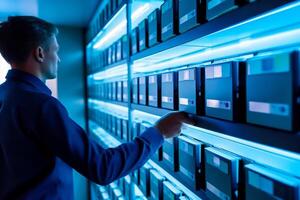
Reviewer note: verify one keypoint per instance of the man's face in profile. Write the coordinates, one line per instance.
(49, 66)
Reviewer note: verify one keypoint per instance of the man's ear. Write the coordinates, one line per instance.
(39, 54)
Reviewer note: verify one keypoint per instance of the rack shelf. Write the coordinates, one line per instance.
(284, 140)
(244, 23)
(98, 133)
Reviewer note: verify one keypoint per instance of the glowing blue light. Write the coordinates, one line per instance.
(117, 26)
(112, 109)
(4, 67)
(117, 71)
(284, 39)
(112, 31)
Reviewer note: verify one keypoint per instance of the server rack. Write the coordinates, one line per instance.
(239, 34)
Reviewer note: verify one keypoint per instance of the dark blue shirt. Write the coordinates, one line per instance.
(40, 144)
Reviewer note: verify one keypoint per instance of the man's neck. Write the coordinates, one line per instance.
(25, 69)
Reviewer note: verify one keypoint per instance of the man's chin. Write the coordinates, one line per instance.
(52, 76)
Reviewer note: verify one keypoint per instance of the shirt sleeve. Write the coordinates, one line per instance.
(67, 140)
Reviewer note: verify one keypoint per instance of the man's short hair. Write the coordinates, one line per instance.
(19, 35)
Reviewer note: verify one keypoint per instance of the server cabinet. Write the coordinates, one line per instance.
(134, 41)
(136, 177)
(125, 135)
(143, 85)
(169, 19)
(156, 185)
(170, 192)
(154, 90)
(113, 125)
(114, 91)
(145, 179)
(216, 8)
(125, 91)
(267, 184)
(224, 91)
(119, 128)
(221, 174)
(109, 55)
(191, 165)
(135, 90)
(119, 91)
(170, 153)
(127, 187)
(119, 50)
(143, 35)
(113, 4)
(124, 47)
(191, 13)
(273, 89)
(190, 100)
(135, 130)
(113, 53)
(154, 27)
(108, 12)
(169, 91)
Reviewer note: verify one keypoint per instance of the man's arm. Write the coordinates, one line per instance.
(62, 136)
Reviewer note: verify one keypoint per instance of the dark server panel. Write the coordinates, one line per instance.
(169, 91)
(154, 27)
(127, 187)
(190, 12)
(154, 90)
(143, 82)
(170, 153)
(125, 135)
(274, 104)
(113, 125)
(143, 35)
(113, 6)
(156, 185)
(113, 53)
(134, 41)
(190, 99)
(224, 91)
(135, 90)
(119, 128)
(124, 47)
(125, 91)
(119, 90)
(114, 91)
(221, 174)
(191, 166)
(109, 55)
(119, 50)
(267, 184)
(169, 19)
(136, 177)
(108, 123)
(170, 192)
(135, 130)
(145, 179)
(108, 12)
(215, 8)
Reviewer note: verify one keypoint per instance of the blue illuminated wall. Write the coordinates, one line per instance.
(71, 88)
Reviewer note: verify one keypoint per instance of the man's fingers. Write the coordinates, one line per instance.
(187, 118)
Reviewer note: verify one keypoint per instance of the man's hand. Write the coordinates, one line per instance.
(170, 124)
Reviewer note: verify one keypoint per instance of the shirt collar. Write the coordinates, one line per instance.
(28, 78)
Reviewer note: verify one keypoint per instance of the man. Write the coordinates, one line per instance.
(39, 143)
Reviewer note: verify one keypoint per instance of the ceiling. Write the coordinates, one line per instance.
(76, 13)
